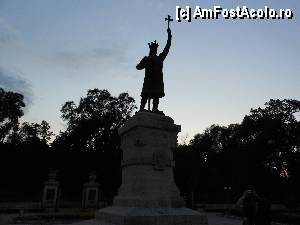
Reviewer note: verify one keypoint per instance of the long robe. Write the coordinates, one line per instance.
(153, 86)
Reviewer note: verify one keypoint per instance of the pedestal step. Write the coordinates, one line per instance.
(150, 216)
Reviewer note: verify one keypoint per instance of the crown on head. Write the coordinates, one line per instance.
(153, 45)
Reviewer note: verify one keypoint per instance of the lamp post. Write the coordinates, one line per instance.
(227, 191)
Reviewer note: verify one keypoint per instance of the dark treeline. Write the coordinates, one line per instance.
(262, 151)
(89, 143)
(215, 166)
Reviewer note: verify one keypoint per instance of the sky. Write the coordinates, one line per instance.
(53, 51)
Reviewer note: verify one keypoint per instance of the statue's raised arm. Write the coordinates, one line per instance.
(165, 52)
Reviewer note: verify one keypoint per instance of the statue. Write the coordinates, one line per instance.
(153, 87)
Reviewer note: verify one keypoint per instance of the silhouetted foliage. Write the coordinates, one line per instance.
(11, 105)
(91, 140)
(31, 133)
(264, 150)
(93, 124)
(274, 131)
(216, 166)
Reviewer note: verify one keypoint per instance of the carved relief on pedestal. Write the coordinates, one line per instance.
(160, 161)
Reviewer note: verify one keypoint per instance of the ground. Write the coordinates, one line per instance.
(213, 219)
(218, 219)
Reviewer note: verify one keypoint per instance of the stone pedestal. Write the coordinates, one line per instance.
(148, 194)
(51, 192)
(90, 193)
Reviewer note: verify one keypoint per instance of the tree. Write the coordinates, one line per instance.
(264, 151)
(273, 133)
(22, 146)
(93, 124)
(217, 147)
(11, 105)
(31, 133)
(91, 140)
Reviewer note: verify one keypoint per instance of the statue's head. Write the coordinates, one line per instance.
(153, 48)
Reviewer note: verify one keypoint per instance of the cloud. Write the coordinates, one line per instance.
(8, 33)
(66, 59)
(99, 58)
(11, 82)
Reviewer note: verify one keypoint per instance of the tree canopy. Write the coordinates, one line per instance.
(91, 141)
(94, 122)
(263, 150)
(11, 109)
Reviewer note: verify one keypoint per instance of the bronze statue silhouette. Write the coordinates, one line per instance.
(153, 86)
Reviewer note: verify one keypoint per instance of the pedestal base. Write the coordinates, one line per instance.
(148, 194)
(150, 216)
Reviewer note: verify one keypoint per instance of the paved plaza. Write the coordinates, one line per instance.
(213, 219)
(218, 219)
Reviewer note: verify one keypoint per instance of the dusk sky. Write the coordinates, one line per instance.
(53, 51)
